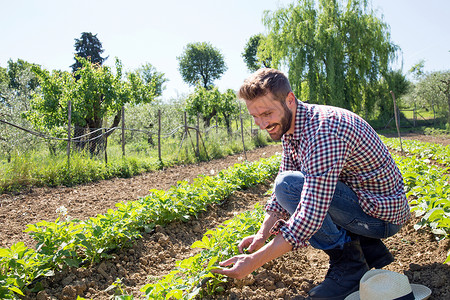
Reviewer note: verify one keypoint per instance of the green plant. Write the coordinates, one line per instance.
(66, 242)
(192, 277)
(428, 188)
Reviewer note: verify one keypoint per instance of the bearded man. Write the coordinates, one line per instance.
(338, 188)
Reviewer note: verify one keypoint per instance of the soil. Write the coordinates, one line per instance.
(418, 254)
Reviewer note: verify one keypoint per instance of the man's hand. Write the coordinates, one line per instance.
(251, 243)
(242, 265)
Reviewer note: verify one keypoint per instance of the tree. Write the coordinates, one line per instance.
(203, 101)
(417, 69)
(228, 108)
(96, 94)
(250, 54)
(17, 85)
(151, 76)
(394, 81)
(210, 103)
(339, 49)
(88, 47)
(433, 91)
(201, 62)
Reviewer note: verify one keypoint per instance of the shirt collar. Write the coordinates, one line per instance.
(300, 121)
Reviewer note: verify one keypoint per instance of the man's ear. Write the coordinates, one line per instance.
(290, 100)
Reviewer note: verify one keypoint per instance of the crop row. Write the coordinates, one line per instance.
(428, 190)
(72, 242)
(436, 152)
(427, 187)
(67, 242)
(192, 277)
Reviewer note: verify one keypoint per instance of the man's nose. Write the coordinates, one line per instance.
(263, 123)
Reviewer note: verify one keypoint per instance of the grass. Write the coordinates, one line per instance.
(39, 168)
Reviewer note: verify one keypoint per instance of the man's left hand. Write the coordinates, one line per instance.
(242, 265)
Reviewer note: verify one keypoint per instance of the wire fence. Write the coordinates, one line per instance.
(170, 135)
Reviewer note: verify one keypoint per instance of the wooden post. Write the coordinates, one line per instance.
(106, 148)
(159, 135)
(69, 116)
(198, 135)
(123, 132)
(186, 132)
(242, 130)
(396, 122)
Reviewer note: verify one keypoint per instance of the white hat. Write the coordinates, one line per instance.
(380, 284)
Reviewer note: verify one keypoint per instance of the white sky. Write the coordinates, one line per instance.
(140, 31)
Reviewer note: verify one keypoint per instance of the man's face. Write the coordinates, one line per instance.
(271, 115)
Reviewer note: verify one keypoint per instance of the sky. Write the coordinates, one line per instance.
(156, 32)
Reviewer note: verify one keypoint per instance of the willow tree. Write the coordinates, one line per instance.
(338, 48)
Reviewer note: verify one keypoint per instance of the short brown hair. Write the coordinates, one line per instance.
(264, 81)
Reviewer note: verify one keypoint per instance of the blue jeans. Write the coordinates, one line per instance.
(344, 214)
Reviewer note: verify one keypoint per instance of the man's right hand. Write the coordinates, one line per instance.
(251, 243)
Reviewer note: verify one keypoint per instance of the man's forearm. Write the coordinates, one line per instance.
(269, 220)
(275, 248)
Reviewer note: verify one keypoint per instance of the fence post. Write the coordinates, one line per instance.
(69, 115)
(186, 131)
(396, 122)
(198, 135)
(123, 132)
(414, 115)
(159, 135)
(106, 148)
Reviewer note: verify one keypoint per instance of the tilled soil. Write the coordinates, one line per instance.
(417, 253)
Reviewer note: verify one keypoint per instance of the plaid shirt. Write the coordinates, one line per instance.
(331, 144)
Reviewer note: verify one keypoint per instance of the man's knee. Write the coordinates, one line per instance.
(288, 187)
(288, 179)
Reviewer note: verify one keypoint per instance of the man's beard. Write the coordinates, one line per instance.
(285, 124)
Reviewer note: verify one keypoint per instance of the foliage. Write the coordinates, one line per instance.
(152, 77)
(192, 277)
(250, 54)
(228, 108)
(18, 76)
(433, 92)
(201, 63)
(67, 242)
(417, 69)
(393, 81)
(210, 103)
(340, 49)
(428, 189)
(89, 47)
(427, 151)
(36, 167)
(17, 86)
(96, 94)
(427, 186)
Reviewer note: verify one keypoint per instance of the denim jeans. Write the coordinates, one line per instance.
(344, 214)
